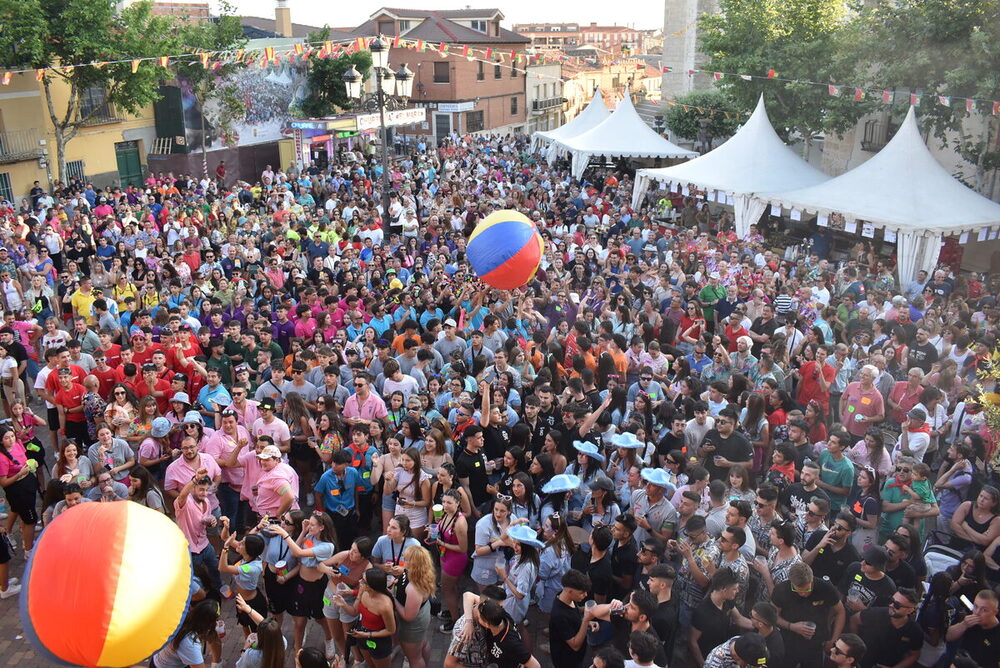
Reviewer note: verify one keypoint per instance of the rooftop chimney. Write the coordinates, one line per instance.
(283, 19)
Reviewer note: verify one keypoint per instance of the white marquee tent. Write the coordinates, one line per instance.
(622, 135)
(593, 114)
(904, 189)
(751, 161)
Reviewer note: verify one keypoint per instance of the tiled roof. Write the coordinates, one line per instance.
(438, 26)
(257, 27)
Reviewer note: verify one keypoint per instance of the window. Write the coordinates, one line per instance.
(94, 105)
(497, 73)
(7, 193)
(513, 72)
(387, 27)
(403, 26)
(474, 121)
(478, 25)
(75, 169)
(441, 72)
(513, 106)
(480, 71)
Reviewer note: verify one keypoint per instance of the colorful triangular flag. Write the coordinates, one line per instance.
(887, 97)
(204, 59)
(944, 100)
(395, 42)
(859, 94)
(359, 44)
(135, 65)
(489, 53)
(969, 104)
(914, 99)
(746, 77)
(39, 74)
(833, 90)
(771, 74)
(6, 78)
(442, 49)
(717, 75)
(163, 60)
(299, 48)
(666, 69)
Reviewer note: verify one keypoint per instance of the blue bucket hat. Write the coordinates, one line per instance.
(160, 428)
(193, 416)
(564, 482)
(589, 449)
(658, 477)
(523, 533)
(627, 441)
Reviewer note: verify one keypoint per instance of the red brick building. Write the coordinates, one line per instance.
(460, 95)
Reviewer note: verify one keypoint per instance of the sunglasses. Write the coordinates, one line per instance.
(504, 497)
(899, 606)
(903, 469)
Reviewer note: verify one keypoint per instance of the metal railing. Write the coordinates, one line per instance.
(16, 145)
(548, 103)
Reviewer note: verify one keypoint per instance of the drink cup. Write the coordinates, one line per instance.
(343, 589)
(717, 459)
(437, 510)
(589, 605)
(433, 530)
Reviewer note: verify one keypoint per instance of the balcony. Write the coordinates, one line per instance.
(18, 145)
(541, 106)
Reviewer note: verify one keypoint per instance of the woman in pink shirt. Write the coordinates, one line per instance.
(20, 487)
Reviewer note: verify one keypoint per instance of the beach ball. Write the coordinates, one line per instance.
(108, 584)
(505, 250)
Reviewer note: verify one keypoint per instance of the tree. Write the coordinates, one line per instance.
(327, 93)
(952, 48)
(682, 118)
(54, 35)
(219, 99)
(800, 39)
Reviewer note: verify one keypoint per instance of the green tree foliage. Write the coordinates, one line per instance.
(682, 118)
(801, 40)
(327, 92)
(938, 48)
(54, 33)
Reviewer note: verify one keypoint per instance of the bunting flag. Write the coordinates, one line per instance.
(914, 99)
(969, 104)
(420, 45)
(204, 59)
(859, 94)
(944, 100)
(299, 48)
(239, 55)
(442, 49)
(666, 69)
(268, 53)
(395, 42)
(489, 53)
(97, 65)
(6, 78)
(887, 97)
(135, 65)
(163, 60)
(40, 74)
(691, 73)
(746, 77)
(216, 65)
(359, 44)
(833, 90)
(771, 74)
(717, 75)
(996, 108)
(465, 51)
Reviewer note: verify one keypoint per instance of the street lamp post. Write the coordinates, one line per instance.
(392, 90)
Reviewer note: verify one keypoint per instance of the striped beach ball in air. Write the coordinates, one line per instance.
(505, 250)
(108, 584)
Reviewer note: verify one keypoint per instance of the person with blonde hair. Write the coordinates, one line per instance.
(413, 591)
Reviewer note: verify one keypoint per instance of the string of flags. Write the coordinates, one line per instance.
(302, 52)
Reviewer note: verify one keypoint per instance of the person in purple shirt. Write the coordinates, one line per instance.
(283, 329)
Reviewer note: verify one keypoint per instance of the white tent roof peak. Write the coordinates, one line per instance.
(903, 187)
(753, 160)
(592, 115)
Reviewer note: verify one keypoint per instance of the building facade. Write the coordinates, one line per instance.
(680, 46)
(550, 36)
(619, 40)
(462, 95)
(544, 97)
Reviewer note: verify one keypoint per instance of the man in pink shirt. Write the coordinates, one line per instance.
(193, 514)
(255, 468)
(270, 425)
(246, 409)
(364, 405)
(219, 445)
(183, 469)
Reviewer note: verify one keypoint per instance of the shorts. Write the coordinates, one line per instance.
(257, 603)
(377, 648)
(22, 497)
(279, 596)
(52, 414)
(301, 453)
(307, 598)
(331, 611)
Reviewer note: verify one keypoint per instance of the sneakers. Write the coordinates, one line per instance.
(446, 627)
(444, 614)
(331, 649)
(12, 590)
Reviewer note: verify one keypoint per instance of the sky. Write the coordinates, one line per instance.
(643, 14)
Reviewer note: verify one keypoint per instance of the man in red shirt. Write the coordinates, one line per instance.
(69, 402)
(151, 386)
(142, 349)
(77, 372)
(815, 379)
(106, 376)
(112, 350)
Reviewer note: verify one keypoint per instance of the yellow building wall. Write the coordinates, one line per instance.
(23, 107)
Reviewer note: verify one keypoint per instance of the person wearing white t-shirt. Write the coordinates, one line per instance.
(915, 437)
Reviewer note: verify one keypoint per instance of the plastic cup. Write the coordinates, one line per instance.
(343, 588)
(811, 625)
(433, 530)
(716, 459)
(437, 510)
(589, 605)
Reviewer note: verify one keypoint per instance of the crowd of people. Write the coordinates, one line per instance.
(672, 447)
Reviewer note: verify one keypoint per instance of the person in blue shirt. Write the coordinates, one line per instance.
(698, 359)
(190, 642)
(337, 493)
(246, 572)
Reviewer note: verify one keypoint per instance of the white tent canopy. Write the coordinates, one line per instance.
(753, 160)
(903, 188)
(593, 115)
(622, 135)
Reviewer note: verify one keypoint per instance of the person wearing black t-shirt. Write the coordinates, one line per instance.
(920, 352)
(865, 584)
(891, 635)
(764, 620)
(567, 626)
(470, 467)
(496, 433)
(624, 556)
(897, 546)
(504, 646)
(809, 614)
(536, 423)
(666, 618)
(599, 568)
(831, 552)
(723, 447)
(979, 633)
(626, 618)
(673, 440)
(797, 496)
(712, 621)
